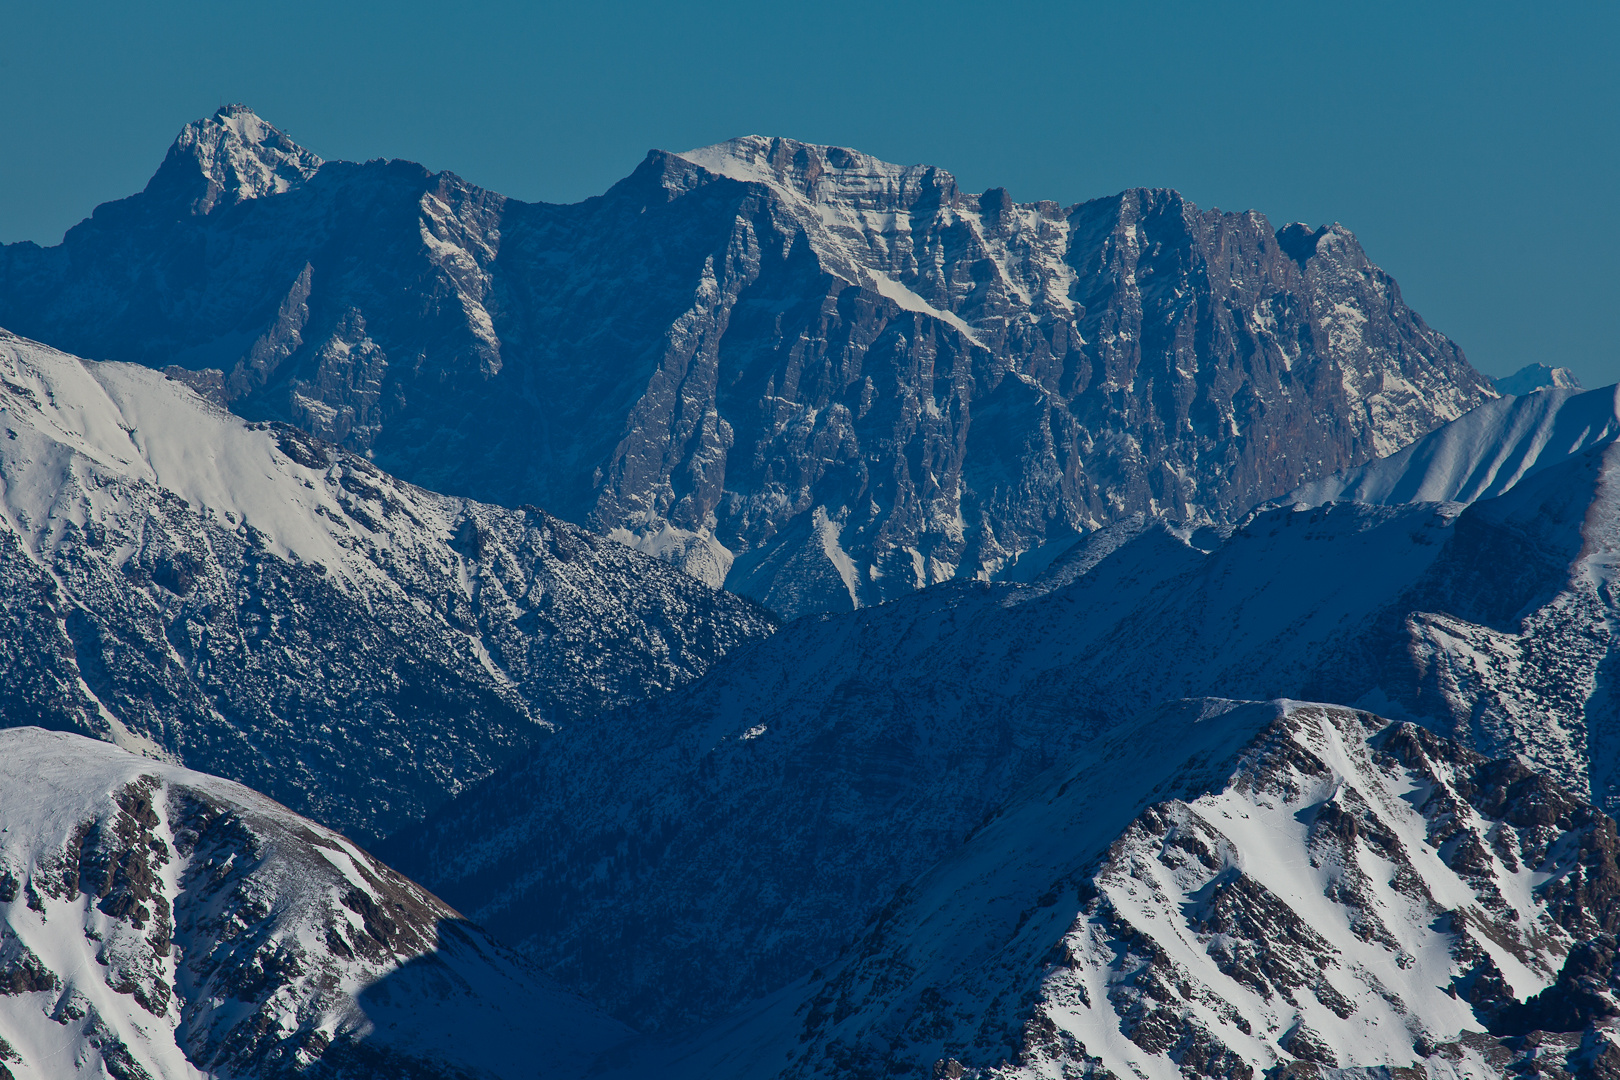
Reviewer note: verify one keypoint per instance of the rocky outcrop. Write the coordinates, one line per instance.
(820, 378)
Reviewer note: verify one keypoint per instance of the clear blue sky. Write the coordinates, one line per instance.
(1472, 147)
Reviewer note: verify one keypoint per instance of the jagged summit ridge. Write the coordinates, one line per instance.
(860, 208)
(821, 173)
(238, 157)
(819, 378)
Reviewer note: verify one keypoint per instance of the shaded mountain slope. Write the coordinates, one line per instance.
(749, 823)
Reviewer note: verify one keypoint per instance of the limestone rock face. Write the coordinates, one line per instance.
(819, 378)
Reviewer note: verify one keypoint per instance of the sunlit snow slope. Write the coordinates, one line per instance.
(160, 924)
(1481, 454)
(251, 601)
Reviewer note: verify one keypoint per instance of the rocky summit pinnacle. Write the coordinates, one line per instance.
(820, 379)
(236, 156)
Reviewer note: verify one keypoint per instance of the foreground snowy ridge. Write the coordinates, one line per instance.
(782, 798)
(159, 924)
(256, 603)
(1224, 889)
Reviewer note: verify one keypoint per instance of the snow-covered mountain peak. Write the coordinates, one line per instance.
(1533, 377)
(239, 157)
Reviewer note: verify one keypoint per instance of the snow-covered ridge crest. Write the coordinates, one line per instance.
(241, 157)
(187, 582)
(1533, 377)
(1481, 454)
(77, 427)
(162, 924)
(821, 173)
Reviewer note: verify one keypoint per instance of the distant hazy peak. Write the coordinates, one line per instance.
(237, 157)
(1533, 377)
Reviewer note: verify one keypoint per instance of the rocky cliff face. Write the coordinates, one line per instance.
(159, 924)
(817, 377)
(252, 601)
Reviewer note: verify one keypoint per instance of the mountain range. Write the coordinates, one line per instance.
(818, 378)
(1152, 650)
